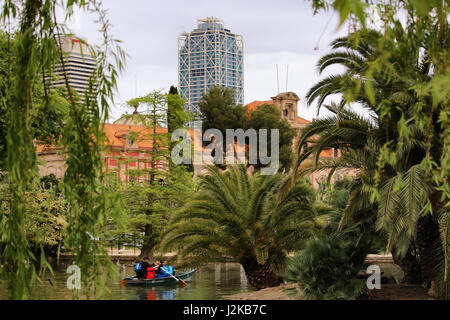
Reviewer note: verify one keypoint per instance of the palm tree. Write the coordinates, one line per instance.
(400, 196)
(243, 218)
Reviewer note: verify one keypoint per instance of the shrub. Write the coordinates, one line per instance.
(326, 269)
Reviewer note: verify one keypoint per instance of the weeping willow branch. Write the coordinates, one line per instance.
(88, 200)
(16, 256)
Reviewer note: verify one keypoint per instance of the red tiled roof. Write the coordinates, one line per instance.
(45, 147)
(117, 133)
(303, 120)
(255, 104)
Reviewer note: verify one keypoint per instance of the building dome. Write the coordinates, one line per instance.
(134, 119)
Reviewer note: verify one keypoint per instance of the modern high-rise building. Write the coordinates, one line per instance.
(210, 55)
(79, 65)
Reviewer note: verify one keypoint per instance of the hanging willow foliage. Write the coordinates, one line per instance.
(38, 49)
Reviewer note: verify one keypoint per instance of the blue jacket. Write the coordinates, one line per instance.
(168, 269)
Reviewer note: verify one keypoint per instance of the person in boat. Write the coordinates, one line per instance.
(141, 268)
(166, 270)
(157, 268)
(151, 272)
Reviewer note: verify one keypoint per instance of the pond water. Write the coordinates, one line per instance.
(209, 282)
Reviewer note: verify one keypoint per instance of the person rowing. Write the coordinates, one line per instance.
(167, 270)
(157, 266)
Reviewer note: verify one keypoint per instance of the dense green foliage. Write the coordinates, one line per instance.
(243, 218)
(49, 181)
(51, 105)
(150, 204)
(5, 69)
(328, 265)
(397, 73)
(177, 117)
(36, 51)
(269, 117)
(46, 221)
(220, 112)
(337, 194)
(359, 232)
(400, 147)
(326, 269)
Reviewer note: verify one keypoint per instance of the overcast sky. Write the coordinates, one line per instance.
(283, 32)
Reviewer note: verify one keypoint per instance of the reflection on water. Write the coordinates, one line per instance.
(210, 282)
(154, 294)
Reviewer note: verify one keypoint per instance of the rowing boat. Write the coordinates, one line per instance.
(166, 281)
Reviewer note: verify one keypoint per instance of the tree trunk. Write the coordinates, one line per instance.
(410, 266)
(149, 231)
(260, 276)
(420, 261)
(428, 244)
(149, 242)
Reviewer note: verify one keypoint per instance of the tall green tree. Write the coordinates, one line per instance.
(269, 117)
(405, 199)
(219, 110)
(426, 35)
(149, 204)
(153, 116)
(177, 116)
(237, 216)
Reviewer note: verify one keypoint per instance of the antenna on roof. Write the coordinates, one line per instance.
(278, 82)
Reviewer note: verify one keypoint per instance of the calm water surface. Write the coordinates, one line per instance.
(210, 282)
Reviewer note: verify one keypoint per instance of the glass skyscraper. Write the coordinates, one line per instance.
(210, 55)
(79, 65)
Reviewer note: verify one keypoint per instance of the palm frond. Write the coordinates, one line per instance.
(326, 87)
(402, 202)
(444, 228)
(348, 59)
(236, 215)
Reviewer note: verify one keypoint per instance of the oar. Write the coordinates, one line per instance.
(180, 282)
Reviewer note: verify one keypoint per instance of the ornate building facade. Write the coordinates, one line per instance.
(129, 146)
(287, 104)
(128, 154)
